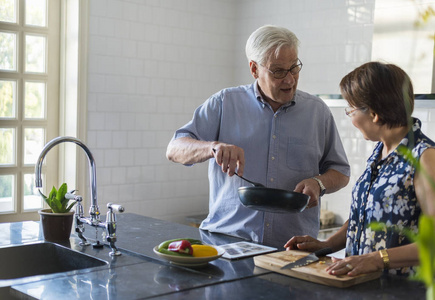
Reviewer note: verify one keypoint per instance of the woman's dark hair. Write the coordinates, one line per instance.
(384, 88)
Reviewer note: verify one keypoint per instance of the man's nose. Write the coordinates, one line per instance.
(290, 78)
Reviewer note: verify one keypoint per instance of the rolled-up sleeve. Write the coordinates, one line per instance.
(205, 122)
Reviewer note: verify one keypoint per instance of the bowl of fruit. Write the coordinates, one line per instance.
(188, 252)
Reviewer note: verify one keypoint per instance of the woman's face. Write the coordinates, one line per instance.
(277, 92)
(366, 122)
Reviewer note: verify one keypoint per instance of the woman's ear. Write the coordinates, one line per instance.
(253, 68)
(375, 117)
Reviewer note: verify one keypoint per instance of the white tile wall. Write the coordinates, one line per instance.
(358, 150)
(151, 63)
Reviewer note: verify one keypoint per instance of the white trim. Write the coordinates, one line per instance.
(343, 103)
(83, 69)
(82, 108)
(73, 95)
(433, 70)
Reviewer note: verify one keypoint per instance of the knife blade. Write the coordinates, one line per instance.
(310, 258)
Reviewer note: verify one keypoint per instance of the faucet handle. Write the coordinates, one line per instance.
(111, 218)
(71, 196)
(116, 207)
(111, 227)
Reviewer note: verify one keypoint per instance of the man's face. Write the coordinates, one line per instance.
(277, 92)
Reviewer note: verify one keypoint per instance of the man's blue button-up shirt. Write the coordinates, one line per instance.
(298, 141)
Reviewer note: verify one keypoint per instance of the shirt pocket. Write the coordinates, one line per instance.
(301, 156)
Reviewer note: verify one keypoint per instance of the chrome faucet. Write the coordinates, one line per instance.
(94, 213)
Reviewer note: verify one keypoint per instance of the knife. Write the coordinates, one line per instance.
(310, 258)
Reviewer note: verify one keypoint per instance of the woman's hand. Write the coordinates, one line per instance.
(356, 265)
(306, 243)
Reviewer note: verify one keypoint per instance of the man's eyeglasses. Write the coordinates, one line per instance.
(281, 73)
(351, 110)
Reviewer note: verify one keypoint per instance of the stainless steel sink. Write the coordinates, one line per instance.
(41, 259)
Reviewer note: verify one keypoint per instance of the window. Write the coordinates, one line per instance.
(397, 26)
(29, 99)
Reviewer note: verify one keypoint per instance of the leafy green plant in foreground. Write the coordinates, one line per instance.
(426, 250)
(57, 201)
(425, 239)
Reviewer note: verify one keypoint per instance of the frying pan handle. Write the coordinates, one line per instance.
(323, 252)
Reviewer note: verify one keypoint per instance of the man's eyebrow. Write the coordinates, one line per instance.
(280, 66)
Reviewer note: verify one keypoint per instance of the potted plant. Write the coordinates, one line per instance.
(58, 219)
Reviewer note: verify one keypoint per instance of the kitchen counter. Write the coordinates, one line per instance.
(139, 273)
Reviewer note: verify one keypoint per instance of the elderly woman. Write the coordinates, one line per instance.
(391, 190)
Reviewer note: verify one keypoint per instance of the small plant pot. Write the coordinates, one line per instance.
(55, 226)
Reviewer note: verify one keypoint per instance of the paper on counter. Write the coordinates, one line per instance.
(244, 249)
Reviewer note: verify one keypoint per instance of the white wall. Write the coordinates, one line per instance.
(335, 36)
(358, 150)
(151, 63)
(395, 28)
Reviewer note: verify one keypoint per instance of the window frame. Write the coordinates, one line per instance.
(66, 99)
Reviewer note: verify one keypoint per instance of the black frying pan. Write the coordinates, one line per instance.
(266, 199)
(262, 198)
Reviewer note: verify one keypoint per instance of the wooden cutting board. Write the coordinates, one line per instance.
(314, 272)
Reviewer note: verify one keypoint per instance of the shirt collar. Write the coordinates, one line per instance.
(259, 97)
(407, 141)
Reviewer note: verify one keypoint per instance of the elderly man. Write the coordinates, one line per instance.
(270, 132)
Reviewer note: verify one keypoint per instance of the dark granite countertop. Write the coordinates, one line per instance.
(139, 273)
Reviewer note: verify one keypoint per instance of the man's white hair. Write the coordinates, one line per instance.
(269, 39)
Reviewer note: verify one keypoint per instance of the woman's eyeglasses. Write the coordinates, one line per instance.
(351, 110)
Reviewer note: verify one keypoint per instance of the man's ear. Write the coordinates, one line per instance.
(254, 69)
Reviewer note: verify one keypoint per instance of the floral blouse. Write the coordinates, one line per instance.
(385, 193)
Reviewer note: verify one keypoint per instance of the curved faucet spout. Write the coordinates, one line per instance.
(93, 211)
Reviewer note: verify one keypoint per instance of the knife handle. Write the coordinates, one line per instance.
(323, 252)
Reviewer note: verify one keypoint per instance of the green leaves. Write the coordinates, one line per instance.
(57, 201)
(425, 239)
(377, 226)
(426, 250)
(407, 154)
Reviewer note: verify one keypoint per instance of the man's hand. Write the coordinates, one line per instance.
(311, 188)
(231, 158)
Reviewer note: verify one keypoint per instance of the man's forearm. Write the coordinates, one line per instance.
(333, 180)
(189, 151)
